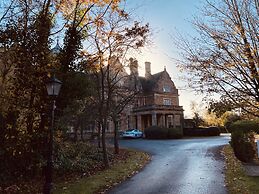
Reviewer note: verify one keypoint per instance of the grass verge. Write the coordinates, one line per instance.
(235, 178)
(105, 179)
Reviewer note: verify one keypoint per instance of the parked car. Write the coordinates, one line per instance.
(132, 133)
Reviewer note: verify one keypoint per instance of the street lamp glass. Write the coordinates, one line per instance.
(53, 86)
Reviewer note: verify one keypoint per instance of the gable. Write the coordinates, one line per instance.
(165, 84)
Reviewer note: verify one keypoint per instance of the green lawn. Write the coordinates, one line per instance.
(236, 179)
(106, 179)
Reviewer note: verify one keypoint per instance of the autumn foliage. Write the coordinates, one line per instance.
(223, 58)
(27, 31)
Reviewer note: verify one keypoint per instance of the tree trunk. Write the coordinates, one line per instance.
(30, 117)
(75, 131)
(99, 135)
(82, 134)
(105, 154)
(116, 142)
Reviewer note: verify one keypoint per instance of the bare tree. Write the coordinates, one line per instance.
(224, 59)
(123, 100)
(113, 37)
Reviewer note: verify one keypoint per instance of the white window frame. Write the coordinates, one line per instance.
(167, 101)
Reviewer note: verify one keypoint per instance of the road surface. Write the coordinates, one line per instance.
(186, 166)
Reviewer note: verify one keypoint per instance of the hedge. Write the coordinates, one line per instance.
(155, 132)
(243, 141)
(245, 125)
(208, 131)
(175, 133)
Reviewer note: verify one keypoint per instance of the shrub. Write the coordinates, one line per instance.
(213, 131)
(245, 125)
(229, 118)
(155, 132)
(175, 133)
(243, 145)
(209, 131)
(76, 157)
(242, 139)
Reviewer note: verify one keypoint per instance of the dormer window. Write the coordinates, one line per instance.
(166, 88)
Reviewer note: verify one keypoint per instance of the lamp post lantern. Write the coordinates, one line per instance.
(53, 87)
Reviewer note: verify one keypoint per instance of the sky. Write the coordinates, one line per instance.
(167, 18)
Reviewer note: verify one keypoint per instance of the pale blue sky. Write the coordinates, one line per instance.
(166, 18)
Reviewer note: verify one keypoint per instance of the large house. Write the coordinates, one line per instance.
(157, 101)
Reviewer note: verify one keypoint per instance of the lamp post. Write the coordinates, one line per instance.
(53, 87)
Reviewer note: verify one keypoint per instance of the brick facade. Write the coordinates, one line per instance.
(157, 102)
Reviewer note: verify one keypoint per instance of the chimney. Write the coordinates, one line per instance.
(147, 69)
(133, 66)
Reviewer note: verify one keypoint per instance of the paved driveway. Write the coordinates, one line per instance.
(186, 166)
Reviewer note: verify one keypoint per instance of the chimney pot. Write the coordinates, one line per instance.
(147, 69)
(133, 66)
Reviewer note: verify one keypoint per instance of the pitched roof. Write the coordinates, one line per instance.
(149, 84)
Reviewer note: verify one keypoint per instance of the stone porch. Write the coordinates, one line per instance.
(159, 115)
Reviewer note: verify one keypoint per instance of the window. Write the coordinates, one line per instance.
(169, 120)
(166, 88)
(143, 101)
(177, 119)
(167, 102)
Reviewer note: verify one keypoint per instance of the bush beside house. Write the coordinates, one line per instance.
(156, 132)
(243, 140)
(201, 131)
(175, 133)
